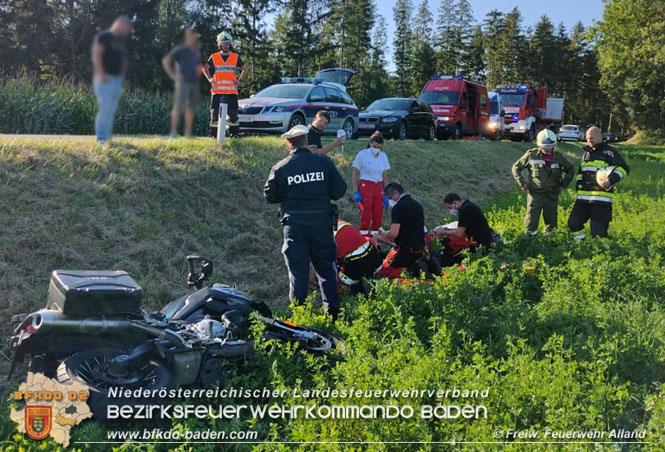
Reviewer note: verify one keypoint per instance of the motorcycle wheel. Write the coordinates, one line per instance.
(94, 369)
(321, 343)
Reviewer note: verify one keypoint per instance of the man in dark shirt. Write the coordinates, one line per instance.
(407, 231)
(471, 224)
(316, 129)
(304, 183)
(187, 59)
(109, 66)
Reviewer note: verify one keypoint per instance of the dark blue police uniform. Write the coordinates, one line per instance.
(304, 183)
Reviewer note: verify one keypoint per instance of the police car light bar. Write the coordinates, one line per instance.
(314, 80)
(447, 77)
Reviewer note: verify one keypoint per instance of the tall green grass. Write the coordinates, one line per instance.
(31, 106)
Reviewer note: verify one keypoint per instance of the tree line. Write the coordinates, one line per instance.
(51, 39)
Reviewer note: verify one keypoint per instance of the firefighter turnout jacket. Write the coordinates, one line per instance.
(603, 156)
(543, 176)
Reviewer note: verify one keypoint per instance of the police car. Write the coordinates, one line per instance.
(296, 101)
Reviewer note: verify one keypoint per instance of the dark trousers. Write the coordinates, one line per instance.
(232, 101)
(397, 260)
(310, 239)
(363, 267)
(600, 214)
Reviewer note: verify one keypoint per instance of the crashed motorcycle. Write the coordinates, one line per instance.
(94, 331)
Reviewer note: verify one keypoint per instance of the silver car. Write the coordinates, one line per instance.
(296, 101)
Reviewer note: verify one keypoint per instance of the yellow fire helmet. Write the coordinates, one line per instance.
(546, 139)
(223, 37)
(604, 174)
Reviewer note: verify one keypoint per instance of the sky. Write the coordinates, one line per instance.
(567, 11)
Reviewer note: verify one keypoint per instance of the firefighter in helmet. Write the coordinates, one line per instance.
(548, 174)
(601, 168)
(220, 70)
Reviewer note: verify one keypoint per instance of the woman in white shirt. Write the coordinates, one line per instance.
(370, 175)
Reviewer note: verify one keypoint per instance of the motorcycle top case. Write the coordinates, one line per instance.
(90, 292)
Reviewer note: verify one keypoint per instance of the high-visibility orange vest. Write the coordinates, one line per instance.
(224, 78)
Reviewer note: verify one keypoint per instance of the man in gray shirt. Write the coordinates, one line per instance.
(187, 59)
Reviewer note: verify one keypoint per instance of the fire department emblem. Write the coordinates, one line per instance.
(38, 421)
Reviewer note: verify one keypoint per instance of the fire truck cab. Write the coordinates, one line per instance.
(461, 106)
(528, 109)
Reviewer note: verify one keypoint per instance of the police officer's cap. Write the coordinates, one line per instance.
(296, 133)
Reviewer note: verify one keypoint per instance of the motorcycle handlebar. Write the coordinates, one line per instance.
(193, 278)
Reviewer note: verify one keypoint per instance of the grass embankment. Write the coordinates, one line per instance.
(568, 336)
(142, 205)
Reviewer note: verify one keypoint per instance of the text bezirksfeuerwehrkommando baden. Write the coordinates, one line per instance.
(268, 393)
(313, 411)
(323, 410)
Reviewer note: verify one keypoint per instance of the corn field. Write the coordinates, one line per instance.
(32, 106)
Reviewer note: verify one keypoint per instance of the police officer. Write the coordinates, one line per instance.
(304, 183)
(600, 169)
(549, 173)
(223, 83)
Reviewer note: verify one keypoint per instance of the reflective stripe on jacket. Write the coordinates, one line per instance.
(224, 78)
(601, 157)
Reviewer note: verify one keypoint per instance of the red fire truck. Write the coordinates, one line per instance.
(461, 106)
(528, 109)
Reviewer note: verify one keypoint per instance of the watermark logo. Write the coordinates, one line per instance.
(50, 408)
(38, 421)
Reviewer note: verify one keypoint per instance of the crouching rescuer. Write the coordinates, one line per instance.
(357, 257)
(548, 174)
(407, 231)
(601, 169)
(304, 183)
(224, 84)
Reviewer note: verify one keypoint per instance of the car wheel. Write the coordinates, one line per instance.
(432, 133)
(401, 131)
(458, 132)
(296, 120)
(497, 135)
(348, 128)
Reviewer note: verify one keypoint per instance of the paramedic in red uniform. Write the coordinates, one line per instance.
(357, 256)
(370, 177)
(407, 230)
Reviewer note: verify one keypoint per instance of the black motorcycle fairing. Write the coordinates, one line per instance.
(215, 300)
